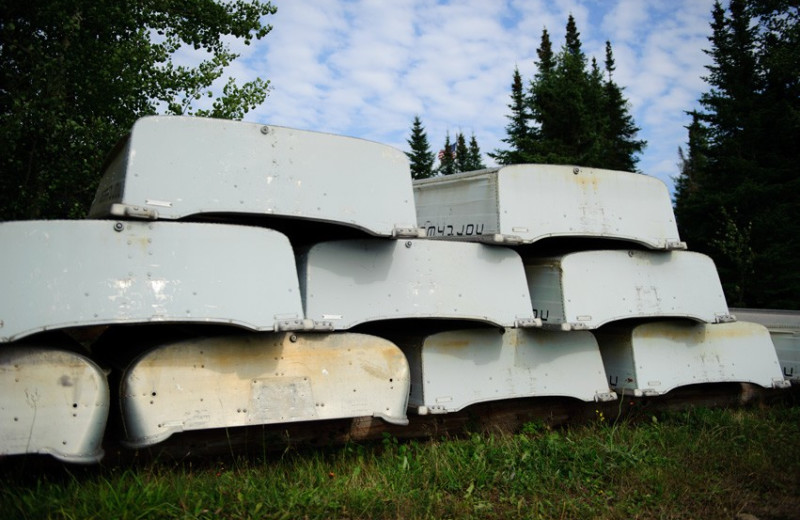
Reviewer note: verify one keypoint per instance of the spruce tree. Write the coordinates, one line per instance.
(462, 154)
(622, 147)
(421, 157)
(572, 113)
(741, 203)
(475, 161)
(447, 159)
(543, 99)
(693, 165)
(596, 123)
(518, 129)
(566, 124)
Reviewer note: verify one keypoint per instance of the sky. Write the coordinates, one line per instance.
(365, 68)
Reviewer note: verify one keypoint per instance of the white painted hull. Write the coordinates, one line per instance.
(784, 327)
(349, 282)
(654, 358)
(256, 379)
(64, 274)
(587, 289)
(452, 370)
(173, 167)
(52, 401)
(525, 203)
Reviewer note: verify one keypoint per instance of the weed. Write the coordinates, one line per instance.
(696, 463)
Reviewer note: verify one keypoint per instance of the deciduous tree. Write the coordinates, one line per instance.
(76, 74)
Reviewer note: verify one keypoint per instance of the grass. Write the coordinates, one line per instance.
(698, 463)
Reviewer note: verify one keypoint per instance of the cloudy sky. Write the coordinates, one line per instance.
(365, 68)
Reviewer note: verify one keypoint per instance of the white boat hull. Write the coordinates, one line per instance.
(52, 401)
(587, 289)
(654, 358)
(452, 370)
(256, 379)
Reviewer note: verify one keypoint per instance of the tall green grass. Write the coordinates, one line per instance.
(698, 463)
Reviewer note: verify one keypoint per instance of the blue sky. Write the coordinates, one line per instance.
(365, 68)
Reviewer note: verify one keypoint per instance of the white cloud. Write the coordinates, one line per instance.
(367, 67)
(626, 20)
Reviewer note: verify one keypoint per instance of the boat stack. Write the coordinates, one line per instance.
(234, 274)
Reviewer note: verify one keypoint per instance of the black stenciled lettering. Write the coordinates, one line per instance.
(450, 230)
(544, 314)
(470, 229)
(431, 231)
(479, 229)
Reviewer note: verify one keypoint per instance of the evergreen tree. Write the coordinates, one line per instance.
(543, 100)
(565, 127)
(693, 164)
(738, 194)
(447, 157)
(475, 162)
(518, 131)
(596, 124)
(421, 158)
(462, 154)
(571, 113)
(621, 147)
(546, 63)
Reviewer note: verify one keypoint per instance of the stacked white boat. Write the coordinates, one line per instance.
(657, 311)
(241, 274)
(784, 328)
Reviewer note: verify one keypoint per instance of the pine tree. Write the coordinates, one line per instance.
(475, 161)
(518, 131)
(543, 100)
(546, 57)
(622, 147)
(462, 154)
(691, 199)
(567, 122)
(729, 105)
(447, 160)
(596, 121)
(693, 164)
(740, 203)
(421, 158)
(571, 113)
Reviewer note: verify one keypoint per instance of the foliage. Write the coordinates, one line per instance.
(459, 156)
(737, 195)
(462, 153)
(447, 157)
(573, 113)
(619, 144)
(421, 158)
(75, 75)
(518, 131)
(697, 463)
(474, 160)
(453, 157)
